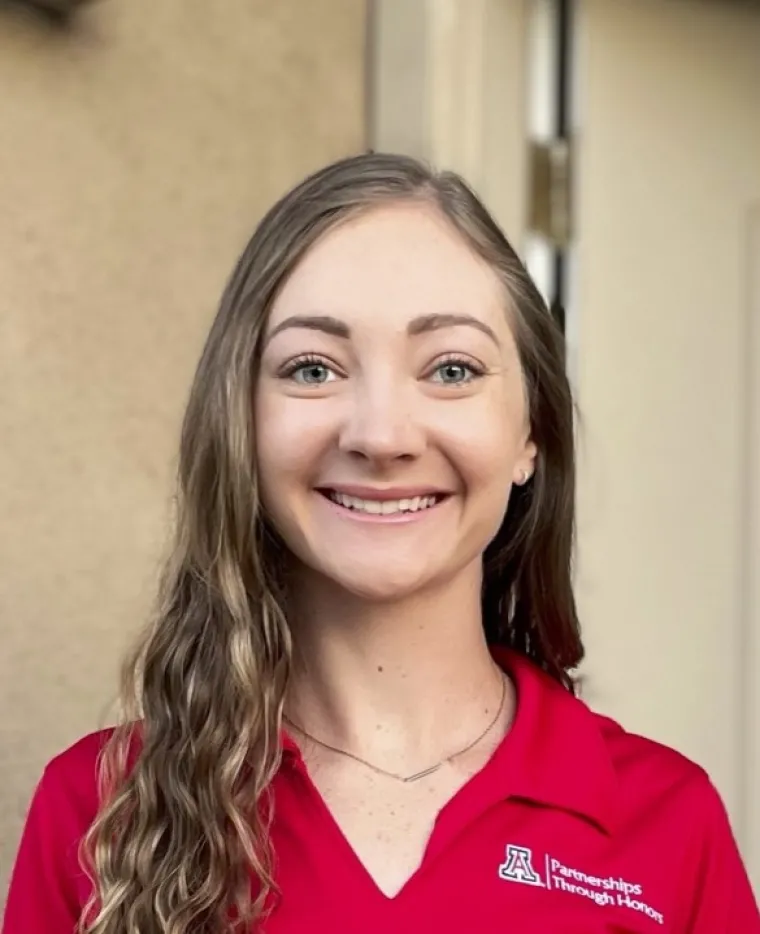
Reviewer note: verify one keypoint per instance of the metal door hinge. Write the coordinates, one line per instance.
(550, 172)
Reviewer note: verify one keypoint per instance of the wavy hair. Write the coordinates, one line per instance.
(180, 844)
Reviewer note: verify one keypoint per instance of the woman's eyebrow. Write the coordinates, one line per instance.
(421, 325)
(326, 323)
(437, 321)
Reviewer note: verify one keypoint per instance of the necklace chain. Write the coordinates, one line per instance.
(406, 779)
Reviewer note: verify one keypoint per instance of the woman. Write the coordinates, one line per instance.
(355, 711)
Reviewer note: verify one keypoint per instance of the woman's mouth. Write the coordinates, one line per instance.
(398, 507)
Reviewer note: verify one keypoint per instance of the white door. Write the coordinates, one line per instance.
(666, 327)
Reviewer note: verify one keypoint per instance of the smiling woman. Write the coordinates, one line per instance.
(355, 709)
(369, 414)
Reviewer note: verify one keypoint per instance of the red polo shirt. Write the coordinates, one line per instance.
(573, 827)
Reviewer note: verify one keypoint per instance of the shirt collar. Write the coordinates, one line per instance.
(555, 753)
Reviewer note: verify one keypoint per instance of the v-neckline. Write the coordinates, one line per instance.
(483, 790)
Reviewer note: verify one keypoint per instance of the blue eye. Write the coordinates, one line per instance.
(313, 374)
(455, 373)
(310, 371)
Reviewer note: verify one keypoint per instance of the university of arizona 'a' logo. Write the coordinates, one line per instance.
(518, 867)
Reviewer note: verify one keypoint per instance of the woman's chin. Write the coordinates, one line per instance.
(382, 586)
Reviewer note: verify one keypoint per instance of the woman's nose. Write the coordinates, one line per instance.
(381, 425)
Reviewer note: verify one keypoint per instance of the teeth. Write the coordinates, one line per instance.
(383, 507)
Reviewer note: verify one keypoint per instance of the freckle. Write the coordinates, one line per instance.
(379, 667)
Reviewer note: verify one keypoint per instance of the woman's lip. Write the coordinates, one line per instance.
(384, 494)
(393, 518)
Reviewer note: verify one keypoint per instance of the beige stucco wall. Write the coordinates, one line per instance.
(136, 153)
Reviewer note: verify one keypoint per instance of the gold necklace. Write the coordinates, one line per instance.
(406, 779)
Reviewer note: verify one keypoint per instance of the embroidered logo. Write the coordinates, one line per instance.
(518, 867)
(558, 876)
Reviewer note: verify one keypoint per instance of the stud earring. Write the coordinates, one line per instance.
(524, 476)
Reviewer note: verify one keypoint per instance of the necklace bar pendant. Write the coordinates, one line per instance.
(418, 775)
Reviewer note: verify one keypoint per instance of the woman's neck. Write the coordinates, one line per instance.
(392, 681)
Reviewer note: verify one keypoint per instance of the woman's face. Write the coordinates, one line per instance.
(391, 419)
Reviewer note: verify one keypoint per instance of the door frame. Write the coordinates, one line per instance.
(443, 87)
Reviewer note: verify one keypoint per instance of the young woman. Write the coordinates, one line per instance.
(355, 710)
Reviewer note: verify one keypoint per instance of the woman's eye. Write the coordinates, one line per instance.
(312, 373)
(454, 373)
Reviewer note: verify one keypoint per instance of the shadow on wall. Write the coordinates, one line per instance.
(59, 13)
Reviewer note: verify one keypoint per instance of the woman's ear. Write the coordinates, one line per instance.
(525, 464)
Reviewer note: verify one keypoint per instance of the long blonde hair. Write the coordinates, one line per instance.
(181, 841)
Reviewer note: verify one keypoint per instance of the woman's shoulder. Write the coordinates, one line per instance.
(567, 727)
(69, 780)
(664, 819)
(661, 788)
(670, 807)
(656, 774)
(70, 784)
(80, 758)
(63, 807)
(644, 761)
(82, 754)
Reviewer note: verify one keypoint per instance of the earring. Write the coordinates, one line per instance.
(524, 476)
